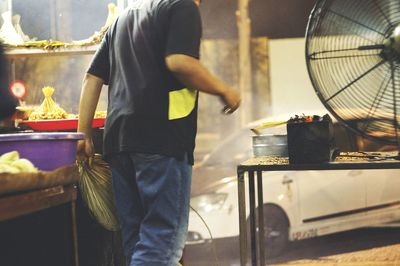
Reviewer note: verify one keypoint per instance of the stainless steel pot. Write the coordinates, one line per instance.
(270, 145)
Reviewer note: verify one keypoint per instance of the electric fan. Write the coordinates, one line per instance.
(353, 59)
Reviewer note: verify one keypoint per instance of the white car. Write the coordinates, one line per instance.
(297, 204)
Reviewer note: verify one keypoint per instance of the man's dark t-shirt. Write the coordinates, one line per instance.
(149, 110)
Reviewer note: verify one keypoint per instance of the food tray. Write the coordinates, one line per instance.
(59, 124)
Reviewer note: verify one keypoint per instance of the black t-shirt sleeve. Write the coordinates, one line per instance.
(100, 65)
(184, 30)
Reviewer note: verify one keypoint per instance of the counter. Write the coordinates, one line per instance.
(38, 217)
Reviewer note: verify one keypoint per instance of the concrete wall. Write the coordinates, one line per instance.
(291, 88)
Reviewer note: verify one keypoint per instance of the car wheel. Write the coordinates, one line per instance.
(276, 231)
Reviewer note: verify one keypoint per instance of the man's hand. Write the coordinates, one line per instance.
(231, 99)
(85, 149)
(194, 75)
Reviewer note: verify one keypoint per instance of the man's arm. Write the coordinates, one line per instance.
(194, 75)
(91, 89)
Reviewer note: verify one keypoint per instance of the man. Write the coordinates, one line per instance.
(149, 59)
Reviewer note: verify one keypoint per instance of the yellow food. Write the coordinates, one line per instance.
(48, 109)
(100, 114)
(72, 116)
(12, 164)
(9, 157)
(6, 168)
(24, 166)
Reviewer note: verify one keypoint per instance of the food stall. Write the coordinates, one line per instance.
(42, 214)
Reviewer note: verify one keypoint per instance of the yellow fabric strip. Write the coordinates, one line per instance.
(181, 103)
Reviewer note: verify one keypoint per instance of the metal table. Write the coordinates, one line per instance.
(255, 168)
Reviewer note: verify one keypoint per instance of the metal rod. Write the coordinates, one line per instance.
(260, 218)
(360, 48)
(242, 219)
(371, 47)
(339, 57)
(74, 233)
(252, 201)
(395, 119)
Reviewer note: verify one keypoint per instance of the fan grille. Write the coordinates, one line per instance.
(354, 63)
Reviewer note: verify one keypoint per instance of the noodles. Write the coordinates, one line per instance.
(48, 109)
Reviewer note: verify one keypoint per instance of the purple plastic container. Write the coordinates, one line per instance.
(47, 151)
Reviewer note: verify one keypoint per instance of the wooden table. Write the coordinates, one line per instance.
(255, 168)
(27, 194)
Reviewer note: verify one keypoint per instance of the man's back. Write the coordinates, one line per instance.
(137, 58)
(140, 83)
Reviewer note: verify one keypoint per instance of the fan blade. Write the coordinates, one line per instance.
(377, 101)
(355, 80)
(384, 15)
(357, 22)
(379, 95)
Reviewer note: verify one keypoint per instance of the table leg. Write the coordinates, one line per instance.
(242, 219)
(252, 203)
(260, 218)
(74, 233)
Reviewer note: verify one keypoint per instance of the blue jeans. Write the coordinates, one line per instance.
(152, 194)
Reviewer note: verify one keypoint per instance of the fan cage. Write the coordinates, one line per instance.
(353, 65)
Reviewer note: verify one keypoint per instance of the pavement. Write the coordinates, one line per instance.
(382, 256)
(363, 247)
(373, 253)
